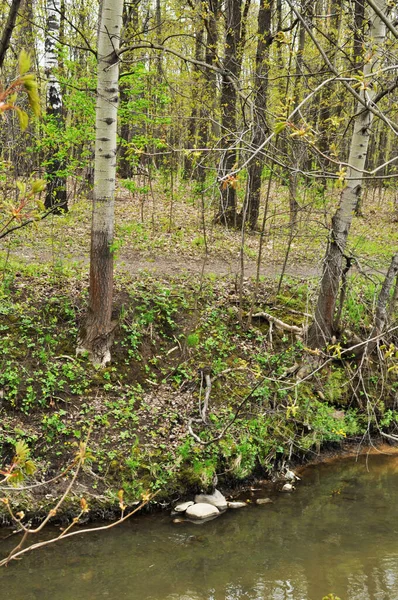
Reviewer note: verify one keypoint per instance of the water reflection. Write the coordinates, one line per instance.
(336, 533)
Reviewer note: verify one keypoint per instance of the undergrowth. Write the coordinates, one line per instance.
(144, 413)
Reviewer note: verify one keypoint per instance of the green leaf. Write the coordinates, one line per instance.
(30, 467)
(21, 186)
(38, 186)
(279, 127)
(23, 118)
(21, 451)
(24, 62)
(30, 85)
(40, 205)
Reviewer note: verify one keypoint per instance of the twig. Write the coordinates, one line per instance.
(207, 396)
(29, 221)
(35, 485)
(230, 423)
(80, 532)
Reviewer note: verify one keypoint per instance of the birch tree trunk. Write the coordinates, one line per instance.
(97, 335)
(56, 185)
(321, 329)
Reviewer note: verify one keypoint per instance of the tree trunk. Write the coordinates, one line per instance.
(8, 29)
(381, 316)
(322, 327)
(97, 335)
(208, 123)
(56, 184)
(297, 150)
(359, 19)
(253, 190)
(125, 170)
(327, 105)
(130, 27)
(189, 161)
(211, 54)
(234, 42)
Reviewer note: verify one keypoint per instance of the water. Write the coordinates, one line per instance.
(337, 533)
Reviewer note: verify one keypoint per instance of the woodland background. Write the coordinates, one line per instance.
(252, 315)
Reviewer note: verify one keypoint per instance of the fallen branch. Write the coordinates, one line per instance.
(289, 387)
(207, 396)
(389, 436)
(278, 323)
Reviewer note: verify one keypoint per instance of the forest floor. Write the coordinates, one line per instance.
(185, 339)
(176, 235)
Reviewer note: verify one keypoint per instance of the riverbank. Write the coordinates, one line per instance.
(208, 379)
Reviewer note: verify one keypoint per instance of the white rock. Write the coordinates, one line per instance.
(236, 504)
(180, 508)
(202, 511)
(288, 487)
(215, 499)
(291, 476)
(263, 501)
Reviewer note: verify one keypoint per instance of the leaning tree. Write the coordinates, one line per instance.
(322, 328)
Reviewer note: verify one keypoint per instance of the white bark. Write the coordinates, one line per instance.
(106, 112)
(363, 121)
(56, 185)
(322, 328)
(97, 334)
(54, 94)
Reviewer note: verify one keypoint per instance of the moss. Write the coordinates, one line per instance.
(335, 386)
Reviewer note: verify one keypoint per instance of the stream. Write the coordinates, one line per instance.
(337, 533)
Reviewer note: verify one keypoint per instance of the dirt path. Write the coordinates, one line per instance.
(133, 262)
(171, 264)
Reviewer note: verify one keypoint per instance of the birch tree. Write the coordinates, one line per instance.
(323, 326)
(97, 335)
(56, 184)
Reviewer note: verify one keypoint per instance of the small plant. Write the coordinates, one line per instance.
(21, 465)
(192, 340)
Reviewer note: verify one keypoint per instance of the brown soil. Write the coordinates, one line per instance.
(133, 262)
